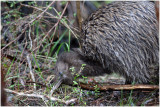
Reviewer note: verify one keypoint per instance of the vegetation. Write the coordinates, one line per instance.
(33, 35)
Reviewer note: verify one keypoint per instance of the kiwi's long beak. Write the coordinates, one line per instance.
(58, 82)
(56, 86)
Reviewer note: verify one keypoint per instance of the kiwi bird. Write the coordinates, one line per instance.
(121, 37)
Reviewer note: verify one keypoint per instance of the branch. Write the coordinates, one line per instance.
(31, 72)
(79, 15)
(43, 97)
(39, 10)
(118, 87)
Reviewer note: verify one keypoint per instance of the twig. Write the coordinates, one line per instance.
(44, 97)
(29, 35)
(79, 15)
(45, 10)
(30, 67)
(12, 58)
(36, 83)
(118, 87)
(39, 10)
(53, 17)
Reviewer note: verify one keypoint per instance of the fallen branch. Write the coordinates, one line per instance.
(43, 97)
(118, 87)
(31, 72)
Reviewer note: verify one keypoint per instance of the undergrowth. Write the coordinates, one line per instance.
(30, 44)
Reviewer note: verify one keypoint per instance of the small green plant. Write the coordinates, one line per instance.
(77, 90)
(96, 91)
(12, 3)
(57, 42)
(32, 3)
(121, 100)
(96, 88)
(82, 67)
(130, 99)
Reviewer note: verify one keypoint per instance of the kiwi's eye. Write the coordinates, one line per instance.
(60, 74)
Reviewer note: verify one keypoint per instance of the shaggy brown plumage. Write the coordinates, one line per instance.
(121, 37)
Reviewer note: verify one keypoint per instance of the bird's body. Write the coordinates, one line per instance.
(121, 37)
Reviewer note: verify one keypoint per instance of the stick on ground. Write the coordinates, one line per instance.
(118, 87)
